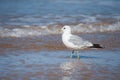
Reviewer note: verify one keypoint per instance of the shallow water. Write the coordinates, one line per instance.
(46, 58)
(49, 65)
(31, 48)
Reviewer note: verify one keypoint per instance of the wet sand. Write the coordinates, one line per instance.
(46, 58)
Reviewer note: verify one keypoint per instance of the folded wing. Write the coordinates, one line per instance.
(78, 41)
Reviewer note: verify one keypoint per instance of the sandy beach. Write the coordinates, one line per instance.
(31, 47)
(46, 58)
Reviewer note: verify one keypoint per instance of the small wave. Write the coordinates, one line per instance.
(17, 32)
(92, 28)
(28, 31)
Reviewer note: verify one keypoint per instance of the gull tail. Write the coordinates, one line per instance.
(96, 46)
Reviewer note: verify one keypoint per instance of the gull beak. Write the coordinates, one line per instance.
(59, 30)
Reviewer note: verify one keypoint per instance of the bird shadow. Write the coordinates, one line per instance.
(81, 57)
(89, 57)
(85, 57)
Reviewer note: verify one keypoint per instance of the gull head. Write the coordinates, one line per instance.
(66, 29)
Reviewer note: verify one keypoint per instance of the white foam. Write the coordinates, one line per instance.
(27, 31)
(89, 19)
(26, 26)
(89, 28)
(17, 32)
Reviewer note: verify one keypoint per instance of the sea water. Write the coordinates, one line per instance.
(24, 18)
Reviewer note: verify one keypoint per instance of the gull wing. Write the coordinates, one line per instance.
(78, 41)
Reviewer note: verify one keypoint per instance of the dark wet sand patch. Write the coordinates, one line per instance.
(54, 42)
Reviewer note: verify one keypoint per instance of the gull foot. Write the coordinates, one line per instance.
(78, 57)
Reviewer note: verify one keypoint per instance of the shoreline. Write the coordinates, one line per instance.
(54, 42)
(46, 58)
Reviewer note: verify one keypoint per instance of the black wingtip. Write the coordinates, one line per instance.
(96, 46)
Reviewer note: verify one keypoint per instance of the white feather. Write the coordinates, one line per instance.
(74, 41)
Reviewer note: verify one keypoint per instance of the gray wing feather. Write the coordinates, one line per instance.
(78, 41)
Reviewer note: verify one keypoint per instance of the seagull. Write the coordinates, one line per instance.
(75, 42)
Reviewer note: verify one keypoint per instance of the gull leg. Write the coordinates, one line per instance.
(78, 55)
(72, 54)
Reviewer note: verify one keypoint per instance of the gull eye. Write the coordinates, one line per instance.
(64, 28)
